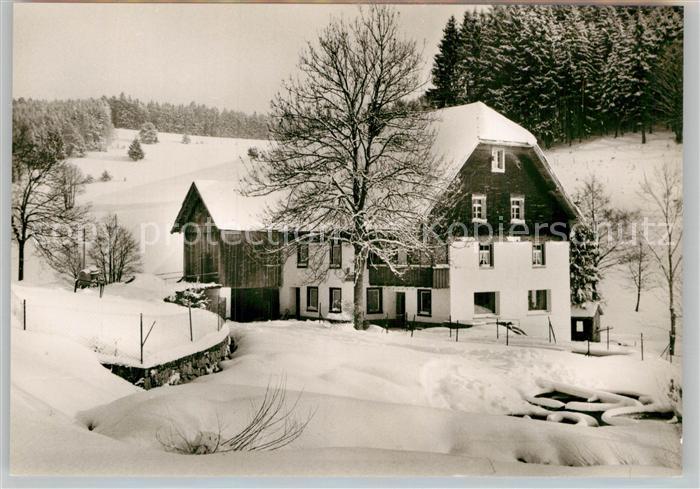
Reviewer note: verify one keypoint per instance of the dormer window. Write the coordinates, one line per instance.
(498, 160)
(478, 208)
(517, 209)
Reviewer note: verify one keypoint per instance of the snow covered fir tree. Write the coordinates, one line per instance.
(135, 150)
(566, 73)
(371, 241)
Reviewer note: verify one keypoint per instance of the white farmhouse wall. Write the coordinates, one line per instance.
(440, 304)
(293, 277)
(512, 276)
(302, 277)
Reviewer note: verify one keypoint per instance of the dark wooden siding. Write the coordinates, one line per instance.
(521, 177)
(382, 275)
(201, 247)
(246, 265)
(231, 258)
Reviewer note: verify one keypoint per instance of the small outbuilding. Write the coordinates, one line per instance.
(585, 321)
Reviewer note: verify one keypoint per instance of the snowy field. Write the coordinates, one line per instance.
(383, 404)
(375, 397)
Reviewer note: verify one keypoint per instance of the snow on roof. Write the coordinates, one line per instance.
(229, 209)
(586, 310)
(459, 129)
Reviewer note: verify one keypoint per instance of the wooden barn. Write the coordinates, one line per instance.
(225, 243)
(585, 322)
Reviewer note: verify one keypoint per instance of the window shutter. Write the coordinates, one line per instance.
(544, 254)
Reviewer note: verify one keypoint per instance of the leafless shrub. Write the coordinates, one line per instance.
(273, 425)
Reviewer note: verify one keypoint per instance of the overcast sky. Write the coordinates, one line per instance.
(229, 56)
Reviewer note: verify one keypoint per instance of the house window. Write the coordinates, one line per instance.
(336, 254)
(335, 299)
(374, 300)
(538, 300)
(517, 209)
(485, 255)
(312, 298)
(579, 326)
(486, 303)
(478, 207)
(302, 255)
(538, 254)
(425, 302)
(498, 160)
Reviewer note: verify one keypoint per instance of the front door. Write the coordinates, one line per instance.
(297, 302)
(401, 308)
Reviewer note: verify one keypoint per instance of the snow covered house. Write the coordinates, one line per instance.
(511, 259)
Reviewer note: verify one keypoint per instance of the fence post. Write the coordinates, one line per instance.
(449, 324)
(507, 333)
(607, 337)
(588, 347)
(413, 325)
(24, 314)
(457, 333)
(497, 329)
(141, 335)
(189, 312)
(549, 328)
(641, 338)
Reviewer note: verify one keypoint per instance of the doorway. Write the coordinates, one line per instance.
(401, 309)
(297, 302)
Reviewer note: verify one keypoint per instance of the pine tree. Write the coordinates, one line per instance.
(643, 58)
(470, 83)
(135, 151)
(148, 133)
(446, 70)
(582, 270)
(668, 81)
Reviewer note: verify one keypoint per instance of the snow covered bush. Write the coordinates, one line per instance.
(253, 153)
(105, 177)
(186, 139)
(148, 134)
(194, 297)
(273, 425)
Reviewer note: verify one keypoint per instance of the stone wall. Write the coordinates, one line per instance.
(178, 371)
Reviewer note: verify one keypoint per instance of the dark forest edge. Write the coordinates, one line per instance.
(87, 124)
(564, 72)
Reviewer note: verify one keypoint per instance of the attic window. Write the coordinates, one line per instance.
(498, 160)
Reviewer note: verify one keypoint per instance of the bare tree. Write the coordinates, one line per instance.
(114, 251)
(65, 252)
(612, 227)
(348, 154)
(39, 210)
(72, 183)
(638, 267)
(665, 194)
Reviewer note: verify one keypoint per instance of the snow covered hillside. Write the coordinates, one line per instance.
(375, 398)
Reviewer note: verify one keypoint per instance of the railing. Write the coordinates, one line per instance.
(382, 275)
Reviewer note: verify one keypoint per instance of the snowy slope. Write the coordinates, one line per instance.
(109, 326)
(621, 164)
(381, 404)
